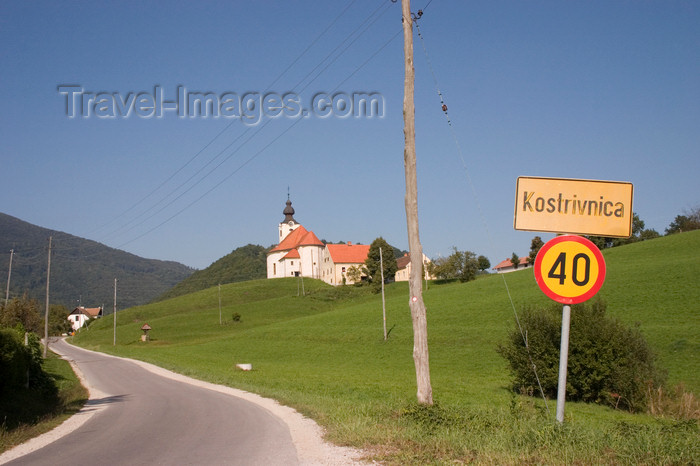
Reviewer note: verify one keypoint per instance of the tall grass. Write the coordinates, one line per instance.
(324, 354)
(71, 397)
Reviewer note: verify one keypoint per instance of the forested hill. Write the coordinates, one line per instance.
(81, 270)
(245, 263)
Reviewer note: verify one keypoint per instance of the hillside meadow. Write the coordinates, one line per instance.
(323, 353)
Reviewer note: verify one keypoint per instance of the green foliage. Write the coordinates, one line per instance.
(639, 233)
(609, 362)
(515, 260)
(245, 263)
(688, 222)
(29, 413)
(80, 268)
(22, 311)
(484, 263)
(354, 274)
(58, 320)
(372, 263)
(460, 264)
(22, 376)
(535, 246)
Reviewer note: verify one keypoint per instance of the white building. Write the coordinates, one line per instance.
(403, 271)
(301, 253)
(81, 314)
(298, 252)
(338, 258)
(506, 265)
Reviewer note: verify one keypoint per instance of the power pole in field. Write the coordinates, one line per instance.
(9, 274)
(381, 267)
(46, 315)
(415, 282)
(114, 311)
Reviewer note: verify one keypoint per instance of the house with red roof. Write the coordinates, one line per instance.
(506, 265)
(81, 314)
(301, 254)
(338, 258)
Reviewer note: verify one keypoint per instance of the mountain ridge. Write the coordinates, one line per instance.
(82, 270)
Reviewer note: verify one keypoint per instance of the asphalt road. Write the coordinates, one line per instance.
(143, 418)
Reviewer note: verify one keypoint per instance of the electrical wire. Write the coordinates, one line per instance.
(478, 201)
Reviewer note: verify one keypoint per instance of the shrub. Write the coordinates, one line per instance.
(608, 361)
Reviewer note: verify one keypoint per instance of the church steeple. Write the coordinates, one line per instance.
(288, 212)
(287, 225)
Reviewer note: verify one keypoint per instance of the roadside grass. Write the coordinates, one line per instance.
(41, 417)
(324, 355)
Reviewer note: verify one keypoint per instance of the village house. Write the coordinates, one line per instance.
(81, 314)
(506, 265)
(403, 264)
(337, 260)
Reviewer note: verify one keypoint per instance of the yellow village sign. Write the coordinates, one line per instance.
(585, 207)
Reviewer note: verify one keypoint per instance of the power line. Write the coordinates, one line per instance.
(478, 202)
(151, 193)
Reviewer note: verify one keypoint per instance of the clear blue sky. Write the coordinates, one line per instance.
(594, 90)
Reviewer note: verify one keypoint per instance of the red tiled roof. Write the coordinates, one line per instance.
(348, 253)
(293, 254)
(310, 239)
(88, 311)
(292, 240)
(508, 263)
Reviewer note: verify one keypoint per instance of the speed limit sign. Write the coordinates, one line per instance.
(569, 269)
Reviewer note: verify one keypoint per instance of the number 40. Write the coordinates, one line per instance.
(559, 267)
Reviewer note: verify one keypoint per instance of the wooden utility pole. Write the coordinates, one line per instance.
(114, 312)
(46, 314)
(381, 267)
(415, 281)
(220, 304)
(9, 274)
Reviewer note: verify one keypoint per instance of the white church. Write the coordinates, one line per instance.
(301, 253)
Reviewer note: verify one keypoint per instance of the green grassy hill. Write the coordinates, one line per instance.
(248, 262)
(324, 354)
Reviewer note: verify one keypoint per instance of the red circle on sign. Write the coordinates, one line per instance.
(561, 282)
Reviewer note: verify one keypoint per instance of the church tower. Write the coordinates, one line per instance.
(288, 224)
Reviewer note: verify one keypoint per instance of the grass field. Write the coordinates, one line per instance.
(324, 354)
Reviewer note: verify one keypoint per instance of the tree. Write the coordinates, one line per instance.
(354, 274)
(469, 267)
(23, 311)
(372, 263)
(638, 234)
(689, 221)
(484, 263)
(58, 320)
(460, 264)
(535, 247)
(515, 260)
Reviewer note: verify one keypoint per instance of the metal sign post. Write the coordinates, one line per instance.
(563, 362)
(569, 269)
